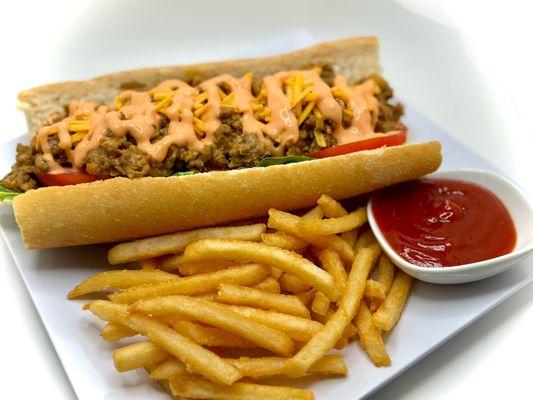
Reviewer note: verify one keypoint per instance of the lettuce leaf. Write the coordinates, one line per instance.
(183, 173)
(7, 195)
(267, 162)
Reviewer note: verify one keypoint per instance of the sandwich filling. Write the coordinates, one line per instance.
(219, 124)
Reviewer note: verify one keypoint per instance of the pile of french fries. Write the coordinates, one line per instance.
(222, 308)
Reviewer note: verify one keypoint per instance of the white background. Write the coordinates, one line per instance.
(475, 82)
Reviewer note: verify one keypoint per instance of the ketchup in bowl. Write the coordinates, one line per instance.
(442, 222)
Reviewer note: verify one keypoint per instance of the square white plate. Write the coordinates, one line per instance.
(433, 314)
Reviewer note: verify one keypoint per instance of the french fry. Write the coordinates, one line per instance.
(341, 343)
(385, 276)
(256, 252)
(195, 284)
(327, 337)
(256, 368)
(332, 263)
(209, 336)
(370, 337)
(119, 279)
(320, 304)
(220, 316)
(168, 369)
(204, 267)
(270, 366)
(290, 283)
(297, 328)
(289, 223)
(198, 359)
(138, 355)
(314, 213)
(306, 297)
(203, 389)
(349, 332)
(240, 295)
(114, 332)
(375, 290)
(331, 207)
(176, 242)
(269, 284)
(388, 313)
(149, 264)
(275, 272)
(332, 226)
(284, 241)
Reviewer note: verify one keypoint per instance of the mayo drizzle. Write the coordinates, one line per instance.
(140, 116)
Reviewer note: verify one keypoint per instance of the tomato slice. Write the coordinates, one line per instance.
(391, 139)
(67, 178)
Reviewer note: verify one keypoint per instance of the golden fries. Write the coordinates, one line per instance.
(113, 332)
(326, 339)
(256, 252)
(138, 355)
(370, 337)
(201, 388)
(214, 304)
(119, 279)
(333, 226)
(240, 295)
(220, 316)
(290, 224)
(209, 336)
(389, 311)
(195, 284)
(176, 242)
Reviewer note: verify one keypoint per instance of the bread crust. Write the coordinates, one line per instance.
(355, 58)
(121, 208)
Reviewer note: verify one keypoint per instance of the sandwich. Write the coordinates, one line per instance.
(153, 151)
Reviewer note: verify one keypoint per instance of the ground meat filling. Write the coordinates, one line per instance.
(232, 148)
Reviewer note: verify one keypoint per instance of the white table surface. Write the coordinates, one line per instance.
(485, 102)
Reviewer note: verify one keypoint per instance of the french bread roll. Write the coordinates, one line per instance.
(121, 208)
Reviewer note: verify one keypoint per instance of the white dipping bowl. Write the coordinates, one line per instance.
(517, 204)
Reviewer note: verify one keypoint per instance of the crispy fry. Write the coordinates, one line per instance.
(374, 289)
(385, 276)
(203, 389)
(350, 237)
(269, 284)
(270, 366)
(198, 359)
(168, 369)
(204, 267)
(297, 328)
(113, 332)
(314, 213)
(209, 336)
(176, 242)
(240, 295)
(290, 283)
(306, 297)
(256, 252)
(331, 207)
(370, 337)
(320, 303)
(332, 226)
(388, 313)
(275, 272)
(138, 355)
(119, 279)
(220, 316)
(196, 284)
(149, 264)
(332, 263)
(289, 223)
(327, 337)
(284, 241)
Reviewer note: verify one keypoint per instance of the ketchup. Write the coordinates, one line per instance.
(442, 223)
